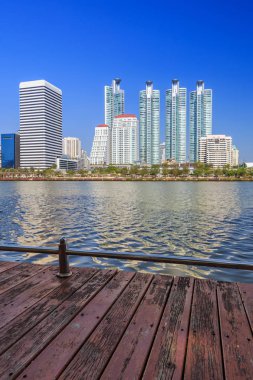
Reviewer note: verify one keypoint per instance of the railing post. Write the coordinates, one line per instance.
(64, 270)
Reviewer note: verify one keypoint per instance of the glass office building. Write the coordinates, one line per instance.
(149, 105)
(114, 101)
(10, 150)
(200, 118)
(175, 143)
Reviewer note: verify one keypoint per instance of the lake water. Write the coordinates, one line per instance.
(200, 219)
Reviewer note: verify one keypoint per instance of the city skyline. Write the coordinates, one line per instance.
(70, 48)
(176, 126)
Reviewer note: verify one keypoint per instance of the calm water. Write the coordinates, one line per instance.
(209, 220)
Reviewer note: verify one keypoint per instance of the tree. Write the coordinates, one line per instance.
(155, 169)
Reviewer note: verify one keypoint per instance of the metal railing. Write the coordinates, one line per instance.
(64, 253)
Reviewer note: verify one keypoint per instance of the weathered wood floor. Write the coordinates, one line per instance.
(121, 325)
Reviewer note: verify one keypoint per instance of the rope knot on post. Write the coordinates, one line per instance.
(64, 270)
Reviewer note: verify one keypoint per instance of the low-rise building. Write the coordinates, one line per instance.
(65, 163)
(10, 151)
(216, 150)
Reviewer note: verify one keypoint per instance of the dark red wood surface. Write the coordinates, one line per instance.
(122, 325)
(134, 347)
(166, 360)
(236, 334)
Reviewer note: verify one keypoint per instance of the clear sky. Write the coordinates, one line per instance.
(81, 45)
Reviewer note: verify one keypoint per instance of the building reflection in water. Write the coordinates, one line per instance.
(179, 218)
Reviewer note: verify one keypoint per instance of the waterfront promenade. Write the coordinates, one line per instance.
(113, 324)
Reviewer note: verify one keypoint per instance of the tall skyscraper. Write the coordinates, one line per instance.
(114, 101)
(176, 123)
(71, 147)
(40, 124)
(200, 118)
(10, 152)
(100, 152)
(149, 125)
(125, 140)
(216, 150)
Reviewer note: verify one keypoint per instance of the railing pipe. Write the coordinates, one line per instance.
(166, 260)
(63, 254)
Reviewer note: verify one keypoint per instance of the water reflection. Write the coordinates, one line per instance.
(193, 219)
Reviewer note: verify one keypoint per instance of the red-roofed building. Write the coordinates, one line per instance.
(125, 116)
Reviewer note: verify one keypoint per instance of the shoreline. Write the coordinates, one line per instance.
(126, 179)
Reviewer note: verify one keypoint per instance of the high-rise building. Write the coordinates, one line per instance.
(10, 151)
(162, 153)
(71, 147)
(114, 101)
(235, 156)
(124, 140)
(200, 118)
(40, 124)
(215, 150)
(149, 104)
(100, 152)
(176, 123)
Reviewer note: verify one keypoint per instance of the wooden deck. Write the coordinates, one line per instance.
(108, 324)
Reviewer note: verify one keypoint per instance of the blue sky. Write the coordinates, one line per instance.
(82, 45)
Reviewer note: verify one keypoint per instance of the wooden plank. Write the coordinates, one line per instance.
(204, 356)
(167, 356)
(26, 294)
(18, 274)
(91, 359)
(4, 265)
(246, 291)
(14, 270)
(25, 321)
(236, 334)
(51, 361)
(129, 359)
(18, 356)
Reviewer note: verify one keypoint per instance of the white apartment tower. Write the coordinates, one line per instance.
(100, 152)
(216, 150)
(40, 124)
(175, 143)
(114, 101)
(124, 140)
(200, 118)
(71, 147)
(149, 106)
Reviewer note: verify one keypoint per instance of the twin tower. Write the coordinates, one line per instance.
(176, 119)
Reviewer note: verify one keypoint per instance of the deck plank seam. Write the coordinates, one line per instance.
(220, 337)
(157, 327)
(188, 329)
